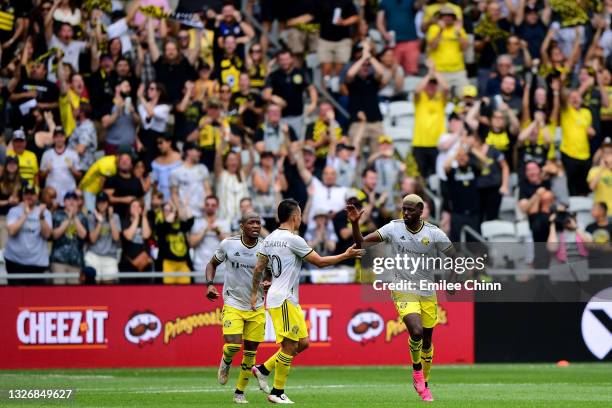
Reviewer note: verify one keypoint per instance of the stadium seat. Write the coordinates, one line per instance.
(507, 210)
(498, 231)
(582, 207)
(434, 183)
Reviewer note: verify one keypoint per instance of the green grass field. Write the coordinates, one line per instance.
(483, 385)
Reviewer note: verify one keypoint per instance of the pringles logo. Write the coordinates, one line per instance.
(365, 325)
(188, 324)
(142, 328)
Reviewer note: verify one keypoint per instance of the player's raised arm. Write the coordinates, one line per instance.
(262, 262)
(323, 261)
(354, 215)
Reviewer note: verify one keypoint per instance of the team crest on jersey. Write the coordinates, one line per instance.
(227, 323)
(297, 79)
(425, 241)
(295, 329)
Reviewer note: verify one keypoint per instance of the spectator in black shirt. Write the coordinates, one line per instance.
(364, 79)
(536, 200)
(530, 27)
(248, 103)
(600, 232)
(187, 113)
(491, 33)
(171, 68)
(285, 87)
(37, 87)
(462, 171)
(335, 18)
(492, 182)
(123, 187)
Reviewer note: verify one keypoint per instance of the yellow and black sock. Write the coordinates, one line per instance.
(248, 359)
(283, 366)
(268, 365)
(229, 351)
(427, 358)
(415, 352)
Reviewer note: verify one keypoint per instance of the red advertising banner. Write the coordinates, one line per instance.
(155, 326)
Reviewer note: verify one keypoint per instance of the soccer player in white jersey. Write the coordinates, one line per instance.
(241, 324)
(417, 308)
(283, 252)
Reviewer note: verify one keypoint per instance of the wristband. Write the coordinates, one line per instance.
(209, 283)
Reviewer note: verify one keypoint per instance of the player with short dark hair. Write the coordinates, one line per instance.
(418, 309)
(283, 252)
(240, 323)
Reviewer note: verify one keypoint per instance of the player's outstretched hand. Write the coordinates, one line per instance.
(212, 293)
(354, 252)
(353, 213)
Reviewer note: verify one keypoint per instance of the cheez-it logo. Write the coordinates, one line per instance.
(62, 327)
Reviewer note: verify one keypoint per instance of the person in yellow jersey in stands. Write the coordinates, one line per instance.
(28, 163)
(93, 181)
(446, 43)
(431, 13)
(577, 129)
(430, 97)
(600, 176)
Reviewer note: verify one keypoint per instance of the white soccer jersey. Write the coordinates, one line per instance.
(429, 242)
(240, 261)
(285, 251)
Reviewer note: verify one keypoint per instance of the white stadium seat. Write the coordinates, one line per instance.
(499, 231)
(582, 207)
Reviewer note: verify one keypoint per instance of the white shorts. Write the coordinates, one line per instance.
(104, 266)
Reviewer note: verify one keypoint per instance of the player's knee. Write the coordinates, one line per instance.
(290, 347)
(303, 345)
(416, 333)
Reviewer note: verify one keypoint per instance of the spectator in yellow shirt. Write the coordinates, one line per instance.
(72, 92)
(430, 97)
(577, 129)
(600, 178)
(446, 43)
(28, 163)
(431, 14)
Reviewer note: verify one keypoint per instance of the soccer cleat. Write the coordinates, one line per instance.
(426, 395)
(223, 372)
(240, 399)
(275, 399)
(261, 379)
(418, 380)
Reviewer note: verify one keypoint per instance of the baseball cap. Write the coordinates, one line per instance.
(309, 149)
(102, 196)
(345, 146)
(70, 195)
(125, 149)
(19, 135)
(385, 139)
(11, 159)
(470, 90)
(214, 103)
(28, 189)
(447, 11)
(59, 131)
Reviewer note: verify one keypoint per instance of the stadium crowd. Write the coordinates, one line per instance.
(135, 137)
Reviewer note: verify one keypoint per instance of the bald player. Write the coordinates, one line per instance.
(417, 308)
(241, 324)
